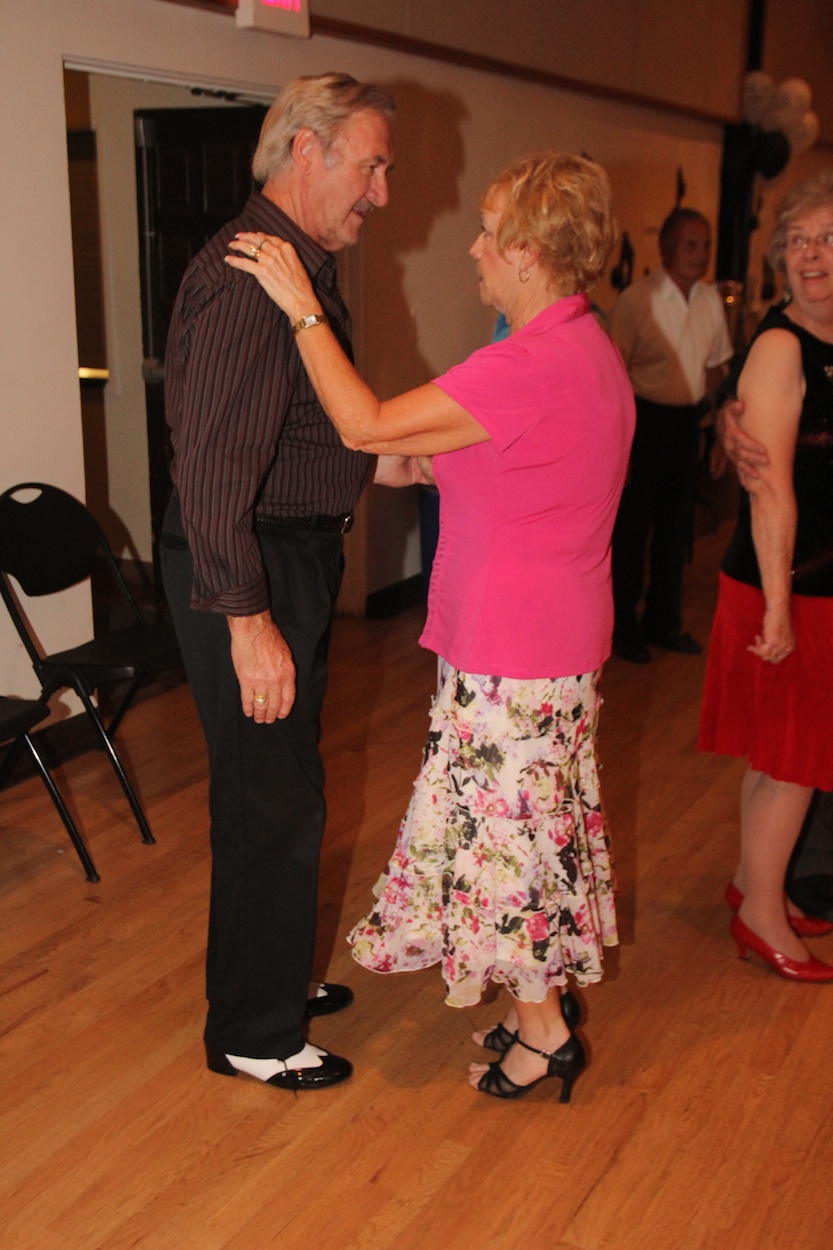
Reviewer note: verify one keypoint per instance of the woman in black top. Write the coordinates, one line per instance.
(769, 684)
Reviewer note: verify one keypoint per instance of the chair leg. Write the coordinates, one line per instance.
(71, 828)
(125, 704)
(130, 793)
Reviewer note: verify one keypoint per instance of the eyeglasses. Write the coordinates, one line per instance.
(798, 242)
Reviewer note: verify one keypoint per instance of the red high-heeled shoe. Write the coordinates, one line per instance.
(811, 969)
(804, 926)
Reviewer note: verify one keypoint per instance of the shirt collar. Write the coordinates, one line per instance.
(568, 308)
(668, 286)
(318, 263)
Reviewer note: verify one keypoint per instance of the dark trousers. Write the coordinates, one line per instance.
(810, 872)
(266, 794)
(656, 505)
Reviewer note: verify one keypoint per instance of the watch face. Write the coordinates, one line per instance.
(314, 319)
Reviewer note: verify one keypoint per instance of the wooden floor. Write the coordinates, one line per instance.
(702, 1123)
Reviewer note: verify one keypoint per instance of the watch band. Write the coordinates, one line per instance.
(314, 319)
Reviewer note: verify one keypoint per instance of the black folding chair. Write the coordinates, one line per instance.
(47, 544)
(17, 718)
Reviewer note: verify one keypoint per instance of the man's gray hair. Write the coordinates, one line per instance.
(322, 103)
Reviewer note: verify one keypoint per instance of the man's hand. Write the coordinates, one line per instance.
(746, 454)
(263, 663)
(403, 471)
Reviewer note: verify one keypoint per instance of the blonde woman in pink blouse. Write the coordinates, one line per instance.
(501, 871)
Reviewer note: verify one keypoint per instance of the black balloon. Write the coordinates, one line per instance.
(770, 152)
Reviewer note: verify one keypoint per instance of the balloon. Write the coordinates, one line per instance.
(797, 92)
(803, 135)
(758, 90)
(790, 100)
(770, 152)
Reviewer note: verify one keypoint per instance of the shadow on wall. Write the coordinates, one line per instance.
(429, 159)
(428, 144)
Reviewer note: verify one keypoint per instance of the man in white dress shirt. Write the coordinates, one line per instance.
(671, 330)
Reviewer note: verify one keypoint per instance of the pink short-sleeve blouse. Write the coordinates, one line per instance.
(520, 585)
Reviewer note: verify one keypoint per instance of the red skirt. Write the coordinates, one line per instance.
(778, 716)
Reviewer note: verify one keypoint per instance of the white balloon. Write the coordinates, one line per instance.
(803, 135)
(758, 90)
(788, 104)
(798, 92)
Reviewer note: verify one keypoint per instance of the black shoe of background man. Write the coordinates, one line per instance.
(683, 643)
(814, 895)
(631, 649)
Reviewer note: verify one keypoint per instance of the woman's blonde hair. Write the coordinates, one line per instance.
(804, 197)
(321, 103)
(558, 204)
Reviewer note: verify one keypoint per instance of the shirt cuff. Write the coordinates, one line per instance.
(234, 601)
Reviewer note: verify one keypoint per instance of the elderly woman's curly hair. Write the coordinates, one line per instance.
(558, 204)
(804, 197)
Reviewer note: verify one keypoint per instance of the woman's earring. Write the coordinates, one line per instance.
(523, 275)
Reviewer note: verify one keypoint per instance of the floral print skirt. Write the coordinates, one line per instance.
(501, 871)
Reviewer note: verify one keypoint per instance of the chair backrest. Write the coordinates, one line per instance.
(49, 542)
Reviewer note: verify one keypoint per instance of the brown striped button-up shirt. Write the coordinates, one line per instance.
(249, 435)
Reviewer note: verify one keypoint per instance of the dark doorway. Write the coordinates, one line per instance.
(193, 173)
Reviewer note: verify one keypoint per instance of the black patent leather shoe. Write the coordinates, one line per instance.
(335, 998)
(329, 1070)
(683, 643)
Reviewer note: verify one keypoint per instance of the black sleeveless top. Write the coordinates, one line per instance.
(812, 476)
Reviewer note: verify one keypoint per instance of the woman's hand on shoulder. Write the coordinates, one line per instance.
(275, 264)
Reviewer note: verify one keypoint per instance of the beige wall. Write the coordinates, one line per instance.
(799, 42)
(410, 283)
(690, 54)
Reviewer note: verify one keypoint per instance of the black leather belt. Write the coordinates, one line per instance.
(320, 524)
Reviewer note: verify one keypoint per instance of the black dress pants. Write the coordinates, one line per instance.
(656, 505)
(266, 793)
(810, 872)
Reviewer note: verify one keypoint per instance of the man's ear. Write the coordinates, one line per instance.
(304, 146)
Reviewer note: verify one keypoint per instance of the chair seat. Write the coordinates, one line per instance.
(120, 654)
(18, 716)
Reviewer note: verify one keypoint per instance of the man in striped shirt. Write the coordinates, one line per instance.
(252, 560)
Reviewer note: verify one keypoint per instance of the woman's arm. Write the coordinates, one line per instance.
(772, 388)
(421, 422)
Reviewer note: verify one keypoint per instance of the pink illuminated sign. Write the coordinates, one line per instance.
(283, 17)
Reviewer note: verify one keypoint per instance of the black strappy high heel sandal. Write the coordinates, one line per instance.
(565, 1063)
(499, 1039)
